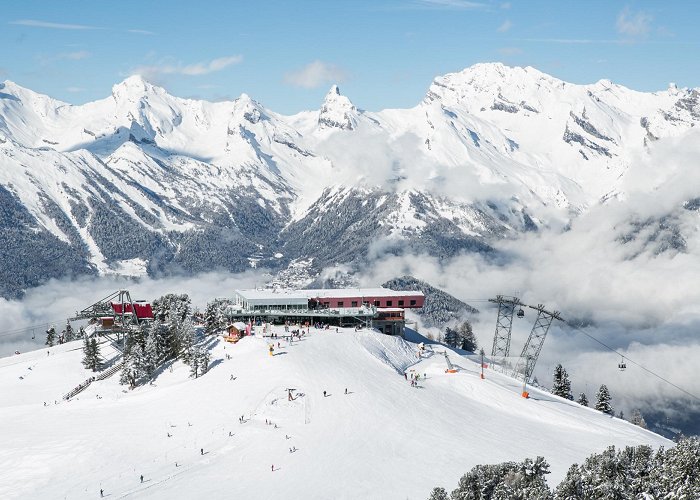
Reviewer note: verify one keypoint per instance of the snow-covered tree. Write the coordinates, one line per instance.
(582, 399)
(91, 354)
(467, 340)
(638, 419)
(186, 335)
(215, 320)
(562, 384)
(603, 400)
(438, 494)
(171, 305)
(203, 358)
(51, 336)
(194, 361)
(69, 334)
(152, 352)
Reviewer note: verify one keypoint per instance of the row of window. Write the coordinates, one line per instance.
(377, 303)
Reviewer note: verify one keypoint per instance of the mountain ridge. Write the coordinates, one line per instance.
(491, 152)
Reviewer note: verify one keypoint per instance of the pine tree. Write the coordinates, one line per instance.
(51, 336)
(203, 359)
(603, 399)
(91, 354)
(638, 419)
(194, 361)
(152, 353)
(562, 384)
(87, 356)
(81, 333)
(439, 494)
(582, 399)
(186, 341)
(451, 337)
(467, 340)
(69, 335)
(95, 353)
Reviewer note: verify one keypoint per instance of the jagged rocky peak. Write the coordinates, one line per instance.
(250, 109)
(337, 111)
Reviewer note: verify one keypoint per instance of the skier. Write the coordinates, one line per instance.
(201, 451)
(141, 478)
(324, 394)
(273, 468)
(346, 390)
(102, 492)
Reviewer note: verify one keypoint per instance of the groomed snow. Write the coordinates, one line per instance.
(384, 439)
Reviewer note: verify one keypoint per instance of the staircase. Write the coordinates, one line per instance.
(103, 375)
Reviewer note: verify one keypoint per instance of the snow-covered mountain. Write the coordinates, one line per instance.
(383, 439)
(145, 182)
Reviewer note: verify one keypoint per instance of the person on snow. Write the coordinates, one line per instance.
(346, 390)
(102, 492)
(201, 451)
(141, 478)
(324, 394)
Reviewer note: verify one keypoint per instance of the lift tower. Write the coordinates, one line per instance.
(504, 325)
(533, 346)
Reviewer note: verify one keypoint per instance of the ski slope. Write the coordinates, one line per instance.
(384, 439)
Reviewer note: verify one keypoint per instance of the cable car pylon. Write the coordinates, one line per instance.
(504, 325)
(533, 346)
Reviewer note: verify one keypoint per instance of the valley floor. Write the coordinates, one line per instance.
(384, 439)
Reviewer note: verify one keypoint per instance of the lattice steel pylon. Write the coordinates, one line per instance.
(533, 346)
(504, 325)
(125, 320)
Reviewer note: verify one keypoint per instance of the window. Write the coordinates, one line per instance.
(388, 303)
(354, 303)
(413, 302)
(340, 303)
(400, 303)
(376, 303)
(326, 304)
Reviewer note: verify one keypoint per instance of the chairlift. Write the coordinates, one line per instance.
(622, 365)
(521, 313)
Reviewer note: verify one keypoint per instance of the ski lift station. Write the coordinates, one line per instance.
(380, 308)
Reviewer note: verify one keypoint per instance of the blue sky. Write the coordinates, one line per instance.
(382, 53)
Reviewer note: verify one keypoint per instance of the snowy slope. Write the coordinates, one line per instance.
(490, 152)
(384, 439)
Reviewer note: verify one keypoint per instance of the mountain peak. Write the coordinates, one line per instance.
(337, 111)
(135, 85)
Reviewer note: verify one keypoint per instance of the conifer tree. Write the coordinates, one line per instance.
(81, 333)
(186, 341)
(69, 335)
(467, 340)
(203, 359)
(582, 399)
(439, 494)
(638, 419)
(194, 361)
(451, 337)
(91, 354)
(562, 384)
(51, 336)
(152, 353)
(603, 399)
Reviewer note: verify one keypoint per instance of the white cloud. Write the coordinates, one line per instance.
(505, 26)
(633, 24)
(453, 4)
(315, 74)
(75, 56)
(141, 32)
(177, 68)
(58, 26)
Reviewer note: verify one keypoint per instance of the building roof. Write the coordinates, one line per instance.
(252, 294)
